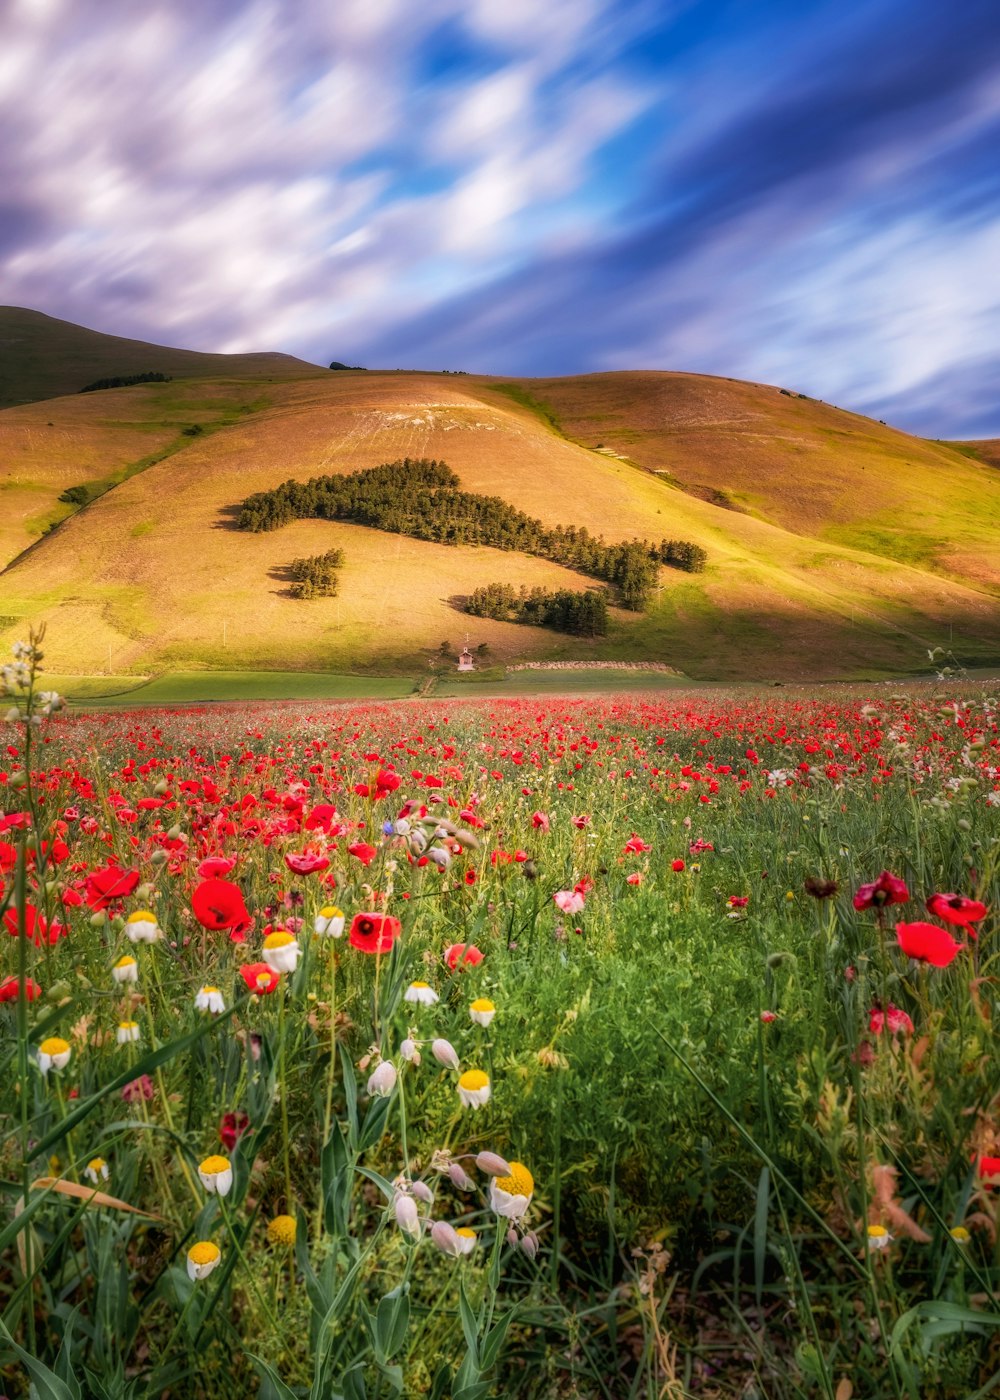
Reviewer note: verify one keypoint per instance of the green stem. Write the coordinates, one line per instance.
(289, 1205)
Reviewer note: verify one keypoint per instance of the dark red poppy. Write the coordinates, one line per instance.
(362, 852)
(306, 862)
(260, 978)
(109, 883)
(218, 904)
(928, 943)
(989, 1167)
(10, 986)
(231, 1129)
(956, 909)
(374, 933)
(387, 781)
(887, 889)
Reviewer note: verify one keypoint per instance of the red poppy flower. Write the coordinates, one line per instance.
(956, 909)
(362, 852)
(677, 865)
(887, 889)
(306, 862)
(9, 989)
(110, 883)
(470, 877)
(321, 818)
(217, 904)
(232, 1128)
(989, 1166)
(892, 1019)
(460, 955)
(260, 978)
(215, 867)
(635, 845)
(540, 821)
(928, 943)
(36, 926)
(374, 933)
(387, 781)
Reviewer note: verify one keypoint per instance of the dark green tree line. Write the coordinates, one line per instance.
(423, 499)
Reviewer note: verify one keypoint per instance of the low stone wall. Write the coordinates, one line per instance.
(595, 666)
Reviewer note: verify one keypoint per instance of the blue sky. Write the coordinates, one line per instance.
(803, 193)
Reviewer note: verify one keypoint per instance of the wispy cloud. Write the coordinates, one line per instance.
(799, 192)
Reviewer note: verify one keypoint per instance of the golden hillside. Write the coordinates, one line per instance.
(837, 546)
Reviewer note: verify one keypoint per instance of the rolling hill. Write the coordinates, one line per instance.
(42, 358)
(837, 546)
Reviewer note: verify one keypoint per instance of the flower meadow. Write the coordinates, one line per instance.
(567, 1047)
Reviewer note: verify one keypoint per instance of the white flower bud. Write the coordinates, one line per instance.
(407, 1216)
(382, 1082)
(445, 1054)
(493, 1164)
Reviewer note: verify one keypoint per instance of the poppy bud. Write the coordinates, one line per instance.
(158, 857)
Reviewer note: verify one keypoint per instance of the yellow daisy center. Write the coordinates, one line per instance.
(483, 1004)
(421, 985)
(960, 1235)
(280, 938)
(877, 1232)
(474, 1079)
(329, 911)
(212, 1165)
(465, 1232)
(96, 1163)
(142, 916)
(208, 990)
(126, 961)
(127, 1025)
(263, 979)
(54, 1045)
(519, 1183)
(204, 1252)
(281, 1230)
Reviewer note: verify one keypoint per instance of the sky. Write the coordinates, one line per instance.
(798, 192)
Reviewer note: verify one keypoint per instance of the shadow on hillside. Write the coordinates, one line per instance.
(229, 517)
(282, 573)
(458, 602)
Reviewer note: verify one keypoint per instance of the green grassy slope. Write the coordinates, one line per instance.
(43, 358)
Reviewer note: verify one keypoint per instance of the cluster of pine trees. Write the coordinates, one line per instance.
(316, 575)
(584, 614)
(422, 498)
(122, 381)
